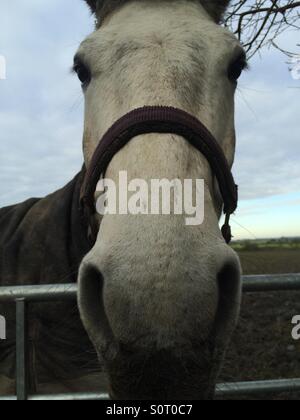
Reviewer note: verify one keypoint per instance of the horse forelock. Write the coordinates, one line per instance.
(103, 8)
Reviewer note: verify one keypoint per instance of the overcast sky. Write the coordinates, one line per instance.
(41, 117)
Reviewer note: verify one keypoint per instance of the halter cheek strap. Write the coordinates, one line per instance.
(160, 119)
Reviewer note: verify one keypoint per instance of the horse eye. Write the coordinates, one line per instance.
(236, 69)
(83, 73)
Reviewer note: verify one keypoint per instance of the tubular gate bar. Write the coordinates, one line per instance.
(24, 295)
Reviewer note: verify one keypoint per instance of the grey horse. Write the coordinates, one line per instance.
(158, 300)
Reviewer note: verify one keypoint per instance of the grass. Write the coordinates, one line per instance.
(267, 245)
(270, 261)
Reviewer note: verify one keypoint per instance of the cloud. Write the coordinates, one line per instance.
(41, 111)
(41, 104)
(267, 161)
(268, 126)
(39, 161)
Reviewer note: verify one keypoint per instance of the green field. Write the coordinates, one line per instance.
(266, 244)
(275, 256)
(274, 261)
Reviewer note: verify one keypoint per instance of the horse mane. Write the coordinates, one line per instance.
(102, 8)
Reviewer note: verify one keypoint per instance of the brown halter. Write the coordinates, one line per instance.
(160, 119)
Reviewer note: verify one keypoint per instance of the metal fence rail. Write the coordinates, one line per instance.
(62, 292)
(24, 295)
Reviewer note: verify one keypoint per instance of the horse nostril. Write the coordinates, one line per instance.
(92, 310)
(90, 290)
(229, 280)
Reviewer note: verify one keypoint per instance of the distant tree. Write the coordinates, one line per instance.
(250, 246)
(259, 23)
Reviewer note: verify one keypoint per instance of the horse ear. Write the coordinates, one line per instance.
(216, 8)
(102, 8)
(92, 4)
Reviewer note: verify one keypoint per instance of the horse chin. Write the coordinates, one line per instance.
(168, 374)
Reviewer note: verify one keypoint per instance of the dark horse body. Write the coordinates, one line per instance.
(43, 241)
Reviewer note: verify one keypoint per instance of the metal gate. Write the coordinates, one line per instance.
(23, 296)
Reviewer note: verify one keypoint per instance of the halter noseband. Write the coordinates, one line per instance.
(160, 119)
